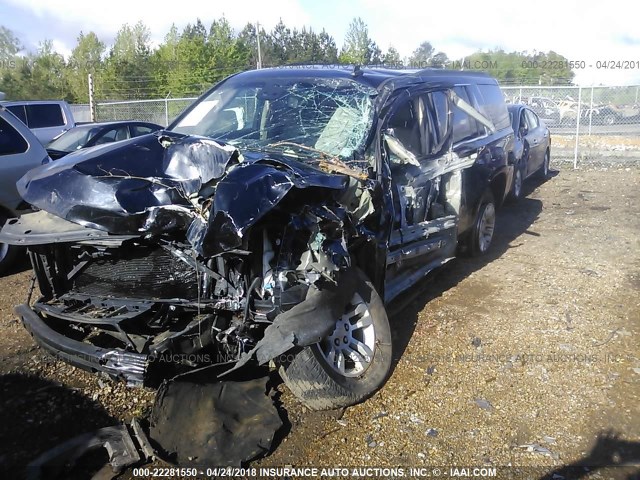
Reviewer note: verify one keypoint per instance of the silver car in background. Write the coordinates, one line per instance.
(20, 151)
(45, 118)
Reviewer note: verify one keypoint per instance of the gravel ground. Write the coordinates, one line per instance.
(527, 357)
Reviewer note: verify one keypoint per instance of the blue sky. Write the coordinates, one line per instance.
(586, 31)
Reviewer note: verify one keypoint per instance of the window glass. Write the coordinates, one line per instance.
(438, 121)
(465, 127)
(141, 130)
(406, 124)
(44, 115)
(74, 139)
(330, 115)
(493, 107)
(112, 135)
(18, 111)
(532, 119)
(11, 142)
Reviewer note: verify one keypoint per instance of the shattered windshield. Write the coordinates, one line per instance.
(305, 117)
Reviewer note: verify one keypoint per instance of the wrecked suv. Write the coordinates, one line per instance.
(270, 223)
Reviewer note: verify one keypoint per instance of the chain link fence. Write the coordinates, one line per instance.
(162, 112)
(590, 126)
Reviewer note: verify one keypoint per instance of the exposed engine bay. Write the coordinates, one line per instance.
(198, 276)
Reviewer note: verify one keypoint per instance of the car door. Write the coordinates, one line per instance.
(535, 140)
(416, 137)
(20, 151)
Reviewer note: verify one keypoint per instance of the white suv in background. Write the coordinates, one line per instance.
(20, 151)
(45, 118)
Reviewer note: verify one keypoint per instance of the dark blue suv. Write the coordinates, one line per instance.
(271, 222)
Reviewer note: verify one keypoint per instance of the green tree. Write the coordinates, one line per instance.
(358, 48)
(392, 58)
(85, 59)
(9, 44)
(45, 76)
(328, 49)
(421, 56)
(520, 67)
(11, 67)
(439, 60)
(128, 68)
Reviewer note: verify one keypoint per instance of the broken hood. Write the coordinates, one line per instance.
(165, 181)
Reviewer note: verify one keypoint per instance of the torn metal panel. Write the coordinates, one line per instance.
(214, 424)
(37, 228)
(250, 191)
(117, 440)
(120, 188)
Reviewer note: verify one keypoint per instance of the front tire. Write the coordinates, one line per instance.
(481, 235)
(351, 363)
(543, 173)
(516, 188)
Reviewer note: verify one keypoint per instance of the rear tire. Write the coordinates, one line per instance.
(362, 338)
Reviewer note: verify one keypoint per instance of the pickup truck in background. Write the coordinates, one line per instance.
(45, 118)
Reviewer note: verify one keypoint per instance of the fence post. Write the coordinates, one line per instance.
(166, 110)
(591, 110)
(575, 150)
(92, 103)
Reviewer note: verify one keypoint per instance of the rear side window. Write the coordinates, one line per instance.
(11, 142)
(438, 120)
(492, 106)
(112, 135)
(465, 127)
(532, 119)
(141, 130)
(18, 111)
(44, 115)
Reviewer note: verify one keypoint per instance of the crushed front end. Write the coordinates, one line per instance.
(195, 278)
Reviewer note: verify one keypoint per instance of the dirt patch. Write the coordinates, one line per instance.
(525, 357)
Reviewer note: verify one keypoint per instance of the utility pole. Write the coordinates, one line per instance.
(259, 66)
(92, 103)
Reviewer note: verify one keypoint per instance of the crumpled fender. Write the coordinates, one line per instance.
(136, 186)
(248, 192)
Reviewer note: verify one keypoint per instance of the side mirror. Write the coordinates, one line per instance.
(524, 130)
(403, 156)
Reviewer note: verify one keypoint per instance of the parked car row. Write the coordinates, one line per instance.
(532, 147)
(92, 134)
(271, 222)
(565, 112)
(21, 149)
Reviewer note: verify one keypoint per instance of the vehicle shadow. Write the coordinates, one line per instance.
(36, 414)
(21, 264)
(513, 221)
(608, 451)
